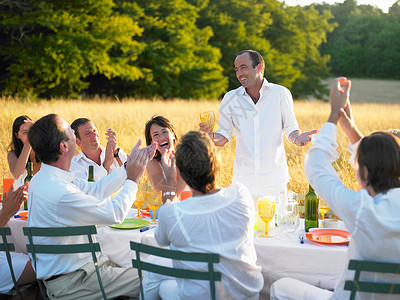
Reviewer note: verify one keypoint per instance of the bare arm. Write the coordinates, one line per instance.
(348, 125)
(17, 164)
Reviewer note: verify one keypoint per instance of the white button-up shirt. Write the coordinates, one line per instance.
(373, 222)
(80, 165)
(57, 199)
(260, 159)
(221, 223)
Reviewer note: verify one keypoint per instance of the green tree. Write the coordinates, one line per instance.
(288, 38)
(178, 60)
(49, 47)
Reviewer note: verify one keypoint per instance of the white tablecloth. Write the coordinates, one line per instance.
(280, 256)
(284, 256)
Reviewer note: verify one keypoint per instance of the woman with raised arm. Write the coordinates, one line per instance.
(161, 170)
(21, 151)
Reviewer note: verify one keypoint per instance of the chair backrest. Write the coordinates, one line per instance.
(209, 258)
(356, 285)
(89, 247)
(7, 248)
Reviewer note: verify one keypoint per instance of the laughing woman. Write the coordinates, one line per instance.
(161, 170)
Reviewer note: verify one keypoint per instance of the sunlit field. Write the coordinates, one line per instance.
(128, 117)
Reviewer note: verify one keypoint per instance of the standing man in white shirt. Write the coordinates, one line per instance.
(259, 112)
(59, 199)
(104, 160)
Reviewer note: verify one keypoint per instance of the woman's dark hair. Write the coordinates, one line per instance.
(380, 154)
(160, 121)
(197, 162)
(16, 144)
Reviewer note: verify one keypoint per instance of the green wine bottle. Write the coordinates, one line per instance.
(311, 209)
(91, 175)
(27, 179)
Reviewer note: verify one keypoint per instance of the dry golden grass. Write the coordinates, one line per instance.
(129, 116)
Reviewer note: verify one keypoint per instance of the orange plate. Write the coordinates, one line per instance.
(23, 215)
(329, 236)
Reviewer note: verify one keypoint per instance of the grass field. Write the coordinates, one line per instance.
(129, 116)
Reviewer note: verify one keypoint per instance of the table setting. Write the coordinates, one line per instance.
(317, 257)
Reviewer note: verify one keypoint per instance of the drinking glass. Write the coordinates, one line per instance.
(154, 202)
(141, 197)
(266, 211)
(288, 218)
(208, 119)
(8, 181)
(323, 208)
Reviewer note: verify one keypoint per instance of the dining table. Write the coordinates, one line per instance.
(284, 255)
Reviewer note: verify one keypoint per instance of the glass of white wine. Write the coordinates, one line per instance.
(266, 211)
(208, 119)
(322, 208)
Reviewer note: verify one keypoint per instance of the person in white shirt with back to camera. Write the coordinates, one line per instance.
(214, 220)
(370, 214)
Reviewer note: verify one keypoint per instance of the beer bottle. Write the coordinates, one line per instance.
(27, 179)
(91, 176)
(311, 209)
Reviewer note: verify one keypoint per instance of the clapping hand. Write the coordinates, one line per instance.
(339, 97)
(138, 160)
(12, 201)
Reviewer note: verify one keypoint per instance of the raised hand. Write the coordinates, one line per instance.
(340, 93)
(138, 160)
(12, 201)
(339, 97)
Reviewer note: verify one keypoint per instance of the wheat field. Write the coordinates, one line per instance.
(128, 117)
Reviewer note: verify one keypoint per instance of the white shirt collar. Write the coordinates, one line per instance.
(265, 86)
(57, 172)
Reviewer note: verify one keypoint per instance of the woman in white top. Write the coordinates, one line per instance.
(21, 151)
(161, 170)
(213, 220)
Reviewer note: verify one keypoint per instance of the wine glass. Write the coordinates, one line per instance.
(154, 202)
(141, 197)
(266, 211)
(208, 119)
(323, 209)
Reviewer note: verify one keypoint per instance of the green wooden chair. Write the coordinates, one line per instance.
(89, 247)
(7, 247)
(209, 258)
(356, 285)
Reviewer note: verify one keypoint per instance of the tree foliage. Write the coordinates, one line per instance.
(49, 47)
(186, 48)
(366, 42)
